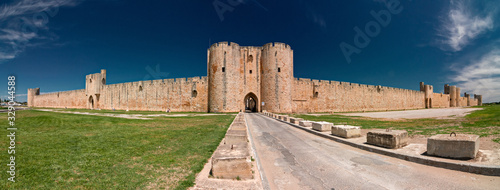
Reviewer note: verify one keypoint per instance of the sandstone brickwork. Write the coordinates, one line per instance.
(247, 77)
(333, 96)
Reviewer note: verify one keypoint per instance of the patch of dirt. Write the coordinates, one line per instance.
(487, 143)
(169, 177)
(418, 139)
(438, 113)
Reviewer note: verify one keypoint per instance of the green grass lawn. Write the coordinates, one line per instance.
(123, 111)
(484, 122)
(68, 151)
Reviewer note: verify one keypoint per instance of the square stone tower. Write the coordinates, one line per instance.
(94, 83)
(250, 78)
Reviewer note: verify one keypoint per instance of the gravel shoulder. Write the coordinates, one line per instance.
(437, 113)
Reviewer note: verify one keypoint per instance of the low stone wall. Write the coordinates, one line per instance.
(232, 159)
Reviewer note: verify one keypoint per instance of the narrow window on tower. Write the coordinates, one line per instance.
(223, 69)
(250, 71)
(279, 69)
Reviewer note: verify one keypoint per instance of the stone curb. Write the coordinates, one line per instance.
(470, 168)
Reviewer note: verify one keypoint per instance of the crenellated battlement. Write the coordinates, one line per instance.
(275, 45)
(223, 44)
(278, 45)
(331, 84)
(251, 48)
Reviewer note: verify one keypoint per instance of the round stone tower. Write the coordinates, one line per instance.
(277, 77)
(453, 96)
(224, 77)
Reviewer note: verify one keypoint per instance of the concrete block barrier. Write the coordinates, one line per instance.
(285, 118)
(346, 131)
(322, 126)
(387, 138)
(459, 146)
(305, 123)
(295, 120)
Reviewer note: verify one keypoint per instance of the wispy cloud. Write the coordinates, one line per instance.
(461, 25)
(25, 21)
(317, 19)
(17, 95)
(481, 76)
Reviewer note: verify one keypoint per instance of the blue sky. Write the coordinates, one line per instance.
(53, 44)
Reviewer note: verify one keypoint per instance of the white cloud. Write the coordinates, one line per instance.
(319, 20)
(481, 77)
(461, 25)
(25, 21)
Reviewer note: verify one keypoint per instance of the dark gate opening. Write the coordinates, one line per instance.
(250, 102)
(91, 102)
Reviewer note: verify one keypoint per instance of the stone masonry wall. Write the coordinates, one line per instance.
(239, 75)
(462, 101)
(67, 99)
(473, 102)
(158, 95)
(333, 96)
(440, 100)
(277, 77)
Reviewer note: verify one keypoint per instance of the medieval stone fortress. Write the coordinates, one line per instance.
(248, 78)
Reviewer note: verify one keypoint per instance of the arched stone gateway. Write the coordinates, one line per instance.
(91, 102)
(250, 102)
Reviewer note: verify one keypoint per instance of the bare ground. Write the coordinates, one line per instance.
(438, 113)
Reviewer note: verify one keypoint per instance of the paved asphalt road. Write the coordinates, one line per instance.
(294, 159)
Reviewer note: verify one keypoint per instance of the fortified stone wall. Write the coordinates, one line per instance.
(440, 100)
(66, 99)
(473, 102)
(257, 78)
(462, 101)
(333, 96)
(179, 94)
